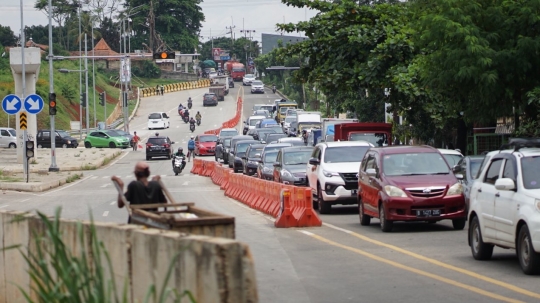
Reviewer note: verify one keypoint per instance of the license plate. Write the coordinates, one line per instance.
(428, 213)
(154, 121)
(354, 192)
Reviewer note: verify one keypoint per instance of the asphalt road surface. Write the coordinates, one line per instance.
(339, 262)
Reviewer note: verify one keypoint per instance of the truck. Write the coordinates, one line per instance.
(306, 121)
(219, 90)
(379, 134)
(327, 127)
(238, 71)
(282, 107)
(223, 80)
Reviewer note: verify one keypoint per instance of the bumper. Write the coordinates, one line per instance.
(238, 165)
(296, 181)
(340, 194)
(251, 170)
(156, 125)
(257, 90)
(206, 152)
(405, 209)
(210, 103)
(158, 153)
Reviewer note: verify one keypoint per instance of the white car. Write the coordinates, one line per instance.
(8, 137)
(257, 87)
(452, 156)
(251, 122)
(332, 173)
(287, 123)
(158, 120)
(248, 78)
(505, 206)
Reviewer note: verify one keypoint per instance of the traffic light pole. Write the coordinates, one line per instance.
(53, 166)
(23, 82)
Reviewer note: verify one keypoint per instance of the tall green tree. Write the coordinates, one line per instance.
(7, 37)
(61, 12)
(239, 48)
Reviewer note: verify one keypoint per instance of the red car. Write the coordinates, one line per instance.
(408, 183)
(205, 145)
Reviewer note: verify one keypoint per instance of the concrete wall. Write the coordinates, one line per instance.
(212, 269)
(178, 75)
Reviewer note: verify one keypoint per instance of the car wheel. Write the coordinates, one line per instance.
(112, 145)
(479, 249)
(87, 145)
(365, 220)
(386, 226)
(64, 145)
(324, 206)
(528, 258)
(459, 224)
(12, 145)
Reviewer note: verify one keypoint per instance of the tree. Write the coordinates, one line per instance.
(88, 28)
(237, 50)
(7, 37)
(110, 32)
(61, 12)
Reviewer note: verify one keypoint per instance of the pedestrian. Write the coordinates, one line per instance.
(162, 90)
(141, 191)
(136, 140)
(157, 89)
(191, 148)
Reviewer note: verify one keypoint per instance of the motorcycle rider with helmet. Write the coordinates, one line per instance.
(179, 153)
(198, 117)
(190, 102)
(192, 124)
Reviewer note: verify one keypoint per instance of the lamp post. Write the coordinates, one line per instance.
(85, 71)
(53, 166)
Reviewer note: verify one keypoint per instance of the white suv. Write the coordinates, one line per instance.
(158, 120)
(505, 206)
(8, 137)
(332, 173)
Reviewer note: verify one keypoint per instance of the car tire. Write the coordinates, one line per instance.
(365, 220)
(12, 145)
(459, 224)
(479, 249)
(528, 258)
(87, 144)
(324, 206)
(386, 225)
(112, 145)
(148, 158)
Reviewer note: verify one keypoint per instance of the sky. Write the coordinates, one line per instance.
(259, 16)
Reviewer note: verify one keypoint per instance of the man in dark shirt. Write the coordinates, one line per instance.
(141, 191)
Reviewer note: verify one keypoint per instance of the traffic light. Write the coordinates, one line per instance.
(52, 104)
(164, 55)
(102, 99)
(83, 99)
(29, 146)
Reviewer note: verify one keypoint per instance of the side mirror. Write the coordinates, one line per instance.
(459, 176)
(505, 184)
(244, 158)
(372, 172)
(314, 161)
(276, 164)
(173, 142)
(456, 168)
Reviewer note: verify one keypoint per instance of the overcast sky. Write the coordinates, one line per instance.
(258, 15)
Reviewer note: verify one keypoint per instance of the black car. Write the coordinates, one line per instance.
(258, 133)
(230, 154)
(269, 138)
(265, 169)
(62, 139)
(290, 165)
(210, 99)
(238, 150)
(468, 167)
(222, 149)
(250, 160)
(159, 146)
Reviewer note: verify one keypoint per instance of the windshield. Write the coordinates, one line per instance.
(229, 133)
(113, 133)
(12, 132)
(154, 116)
(345, 154)
(414, 164)
(208, 139)
(452, 159)
(252, 122)
(531, 173)
(475, 166)
(256, 83)
(254, 151)
(249, 76)
(270, 157)
(227, 143)
(62, 133)
(283, 110)
(242, 147)
(266, 107)
(297, 157)
(256, 107)
(377, 139)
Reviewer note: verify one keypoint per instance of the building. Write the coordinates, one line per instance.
(270, 41)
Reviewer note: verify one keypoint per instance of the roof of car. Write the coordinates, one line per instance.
(526, 152)
(228, 129)
(450, 152)
(288, 139)
(401, 149)
(207, 135)
(256, 145)
(157, 137)
(279, 144)
(246, 141)
(346, 143)
(297, 148)
(256, 117)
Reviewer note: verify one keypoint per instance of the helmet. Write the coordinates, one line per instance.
(157, 134)
(197, 112)
(192, 137)
(180, 149)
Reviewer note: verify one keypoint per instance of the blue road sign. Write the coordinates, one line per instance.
(11, 104)
(33, 104)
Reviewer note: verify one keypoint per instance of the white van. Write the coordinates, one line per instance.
(8, 137)
(158, 120)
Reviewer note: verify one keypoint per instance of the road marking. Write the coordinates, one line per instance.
(113, 202)
(93, 178)
(412, 269)
(106, 177)
(105, 185)
(65, 187)
(105, 213)
(185, 183)
(439, 263)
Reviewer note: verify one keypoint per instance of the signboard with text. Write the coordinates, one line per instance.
(216, 53)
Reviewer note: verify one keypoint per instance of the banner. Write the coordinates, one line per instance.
(216, 52)
(125, 70)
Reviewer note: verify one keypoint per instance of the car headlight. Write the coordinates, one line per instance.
(456, 189)
(68, 142)
(537, 203)
(267, 170)
(329, 174)
(286, 174)
(252, 162)
(393, 191)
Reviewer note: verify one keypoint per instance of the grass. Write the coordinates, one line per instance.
(73, 178)
(8, 178)
(89, 167)
(107, 160)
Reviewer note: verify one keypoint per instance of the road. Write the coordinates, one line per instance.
(338, 262)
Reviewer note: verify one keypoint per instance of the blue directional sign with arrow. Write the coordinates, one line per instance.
(11, 104)
(33, 104)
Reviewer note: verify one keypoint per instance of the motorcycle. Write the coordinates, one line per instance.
(274, 89)
(179, 164)
(192, 127)
(198, 122)
(189, 105)
(185, 118)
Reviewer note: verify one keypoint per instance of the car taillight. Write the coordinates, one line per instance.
(148, 145)
(166, 145)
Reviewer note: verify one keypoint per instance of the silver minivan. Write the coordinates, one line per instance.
(8, 137)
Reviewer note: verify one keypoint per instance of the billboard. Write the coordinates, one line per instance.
(125, 70)
(216, 53)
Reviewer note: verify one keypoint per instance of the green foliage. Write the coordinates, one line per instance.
(238, 50)
(148, 70)
(7, 37)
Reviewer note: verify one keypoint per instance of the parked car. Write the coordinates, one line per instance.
(466, 170)
(230, 154)
(505, 206)
(62, 139)
(222, 149)
(8, 137)
(248, 79)
(210, 99)
(127, 135)
(238, 150)
(290, 165)
(250, 160)
(106, 138)
(332, 173)
(158, 120)
(257, 87)
(452, 156)
(159, 146)
(227, 133)
(205, 145)
(408, 183)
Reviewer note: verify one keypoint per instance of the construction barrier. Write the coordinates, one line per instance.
(152, 91)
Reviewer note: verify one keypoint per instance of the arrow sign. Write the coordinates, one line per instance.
(11, 104)
(22, 121)
(33, 104)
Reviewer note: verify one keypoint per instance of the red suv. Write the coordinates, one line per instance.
(408, 183)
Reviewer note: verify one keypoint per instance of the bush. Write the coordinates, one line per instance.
(148, 70)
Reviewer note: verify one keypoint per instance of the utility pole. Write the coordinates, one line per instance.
(80, 76)
(151, 26)
(53, 166)
(230, 28)
(87, 112)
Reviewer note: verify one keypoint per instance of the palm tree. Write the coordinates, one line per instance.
(88, 22)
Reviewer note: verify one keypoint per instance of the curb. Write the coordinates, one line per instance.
(34, 187)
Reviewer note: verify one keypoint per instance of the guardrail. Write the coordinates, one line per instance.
(231, 122)
(154, 91)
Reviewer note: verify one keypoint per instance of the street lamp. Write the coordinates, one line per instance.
(85, 71)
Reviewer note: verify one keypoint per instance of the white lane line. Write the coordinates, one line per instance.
(105, 177)
(306, 232)
(338, 228)
(128, 176)
(105, 185)
(105, 213)
(4, 206)
(93, 178)
(23, 200)
(113, 202)
(185, 183)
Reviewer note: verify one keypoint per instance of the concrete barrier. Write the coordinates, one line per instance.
(212, 269)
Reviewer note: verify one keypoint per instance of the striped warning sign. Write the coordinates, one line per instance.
(22, 121)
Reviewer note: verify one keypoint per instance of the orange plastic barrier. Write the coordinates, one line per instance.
(197, 166)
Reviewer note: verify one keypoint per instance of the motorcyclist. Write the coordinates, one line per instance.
(179, 153)
(190, 102)
(273, 88)
(192, 122)
(191, 148)
(198, 116)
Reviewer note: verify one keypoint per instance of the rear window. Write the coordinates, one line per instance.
(270, 157)
(208, 139)
(157, 141)
(345, 154)
(154, 116)
(228, 133)
(254, 151)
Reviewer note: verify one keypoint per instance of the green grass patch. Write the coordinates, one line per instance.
(73, 178)
(89, 167)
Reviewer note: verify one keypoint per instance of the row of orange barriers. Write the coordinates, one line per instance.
(291, 205)
(229, 123)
